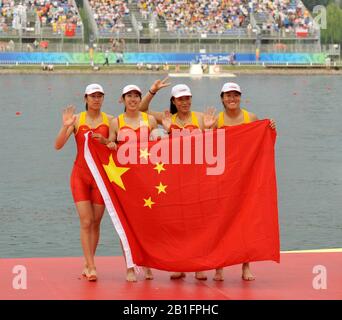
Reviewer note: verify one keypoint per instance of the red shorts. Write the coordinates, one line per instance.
(83, 186)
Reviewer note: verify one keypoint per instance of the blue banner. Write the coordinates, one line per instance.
(158, 58)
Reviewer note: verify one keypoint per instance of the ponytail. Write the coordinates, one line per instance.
(173, 108)
(86, 106)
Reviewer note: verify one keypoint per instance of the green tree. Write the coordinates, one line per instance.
(311, 3)
(333, 32)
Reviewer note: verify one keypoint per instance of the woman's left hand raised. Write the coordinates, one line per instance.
(209, 117)
(159, 84)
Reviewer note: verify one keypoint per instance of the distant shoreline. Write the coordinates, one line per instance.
(129, 69)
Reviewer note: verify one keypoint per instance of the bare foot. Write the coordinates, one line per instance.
(200, 275)
(148, 274)
(85, 271)
(177, 275)
(246, 273)
(130, 275)
(218, 275)
(91, 275)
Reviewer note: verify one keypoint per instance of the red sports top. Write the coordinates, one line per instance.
(144, 123)
(190, 126)
(83, 127)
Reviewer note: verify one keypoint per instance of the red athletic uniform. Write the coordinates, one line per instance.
(191, 126)
(145, 123)
(83, 185)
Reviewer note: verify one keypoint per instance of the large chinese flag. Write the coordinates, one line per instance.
(184, 217)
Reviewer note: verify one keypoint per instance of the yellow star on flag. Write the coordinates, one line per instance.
(148, 203)
(114, 173)
(161, 188)
(144, 153)
(159, 167)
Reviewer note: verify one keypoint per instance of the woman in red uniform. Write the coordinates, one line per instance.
(234, 115)
(87, 197)
(179, 117)
(131, 121)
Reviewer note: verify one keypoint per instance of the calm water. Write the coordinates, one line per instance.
(36, 209)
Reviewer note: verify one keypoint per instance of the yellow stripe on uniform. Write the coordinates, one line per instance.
(145, 118)
(245, 116)
(81, 120)
(105, 119)
(220, 123)
(173, 118)
(194, 119)
(121, 120)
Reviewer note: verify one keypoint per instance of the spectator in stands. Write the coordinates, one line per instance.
(29, 48)
(50, 14)
(197, 16)
(221, 16)
(122, 45)
(106, 55)
(232, 58)
(11, 45)
(109, 14)
(35, 44)
(119, 57)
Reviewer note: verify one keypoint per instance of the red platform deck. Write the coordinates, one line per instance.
(59, 278)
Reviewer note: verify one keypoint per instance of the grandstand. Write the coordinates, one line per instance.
(40, 25)
(133, 31)
(160, 26)
(214, 26)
